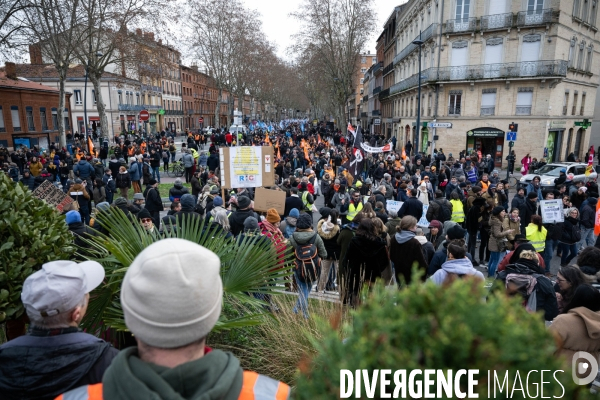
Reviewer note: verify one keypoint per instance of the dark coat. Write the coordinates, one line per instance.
(439, 258)
(153, 200)
(364, 262)
(412, 206)
(568, 228)
(292, 202)
(236, 221)
(404, 255)
(81, 231)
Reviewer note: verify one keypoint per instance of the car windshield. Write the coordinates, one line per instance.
(551, 170)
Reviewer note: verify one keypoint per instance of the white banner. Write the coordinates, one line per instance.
(393, 205)
(423, 223)
(552, 211)
(369, 149)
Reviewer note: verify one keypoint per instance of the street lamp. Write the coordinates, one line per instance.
(87, 66)
(419, 43)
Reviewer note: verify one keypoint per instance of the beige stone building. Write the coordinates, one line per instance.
(487, 63)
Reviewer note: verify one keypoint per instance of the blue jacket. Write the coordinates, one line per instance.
(530, 189)
(202, 160)
(83, 169)
(135, 171)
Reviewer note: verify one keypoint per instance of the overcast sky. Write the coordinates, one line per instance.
(279, 26)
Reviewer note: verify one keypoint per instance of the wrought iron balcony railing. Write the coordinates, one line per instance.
(488, 110)
(534, 17)
(383, 94)
(376, 113)
(365, 98)
(504, 70)
(496, 21)
(131, 107)
(388, 68)
(377, 90)
(523, 110)
(151, 88)
(425, 35)
(461, 25)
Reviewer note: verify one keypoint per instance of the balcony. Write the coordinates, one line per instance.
(532, 18)
(376, 90)
(454, 110)
(377, 67)
(131, 107)
(388, 68)
(496, 21)
(523, 110)
(150, 107)
(425, 35)
(488, 110)
(365, 98)
(190, 111)
(526, 69)
(383, 94)
(460, 25)
(173, 112)
(376, 113)
(150, 88)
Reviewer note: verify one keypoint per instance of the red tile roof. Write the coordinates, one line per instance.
(22, 85)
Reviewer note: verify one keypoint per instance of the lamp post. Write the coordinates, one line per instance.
(87, 66)
(419, 43)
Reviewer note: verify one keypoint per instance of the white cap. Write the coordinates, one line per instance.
(59, 286)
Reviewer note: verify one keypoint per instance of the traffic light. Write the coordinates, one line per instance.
(512, 127)
(511, 143)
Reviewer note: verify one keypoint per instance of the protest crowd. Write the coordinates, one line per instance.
(384, 213)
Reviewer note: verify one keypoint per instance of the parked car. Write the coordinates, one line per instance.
(550, 172)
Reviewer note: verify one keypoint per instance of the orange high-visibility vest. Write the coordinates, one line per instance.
(254, 386)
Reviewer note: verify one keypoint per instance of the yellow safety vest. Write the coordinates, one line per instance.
(536, 238)
(307, 205)
(458, 213)
(352, 210)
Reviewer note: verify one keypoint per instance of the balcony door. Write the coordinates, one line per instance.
(462, 15)
(530, 54)
(460, 57)
(497, 7)
(493, 58)
(534, 13)
(496, 18)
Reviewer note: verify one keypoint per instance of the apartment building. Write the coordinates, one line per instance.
(365, 62)
(485, 64)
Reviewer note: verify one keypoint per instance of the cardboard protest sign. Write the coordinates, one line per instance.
(267, 198)
(247, 166)
(53, 196)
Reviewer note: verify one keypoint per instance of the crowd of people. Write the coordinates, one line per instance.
(448, 207)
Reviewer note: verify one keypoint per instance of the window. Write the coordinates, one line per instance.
(571, 63)
(54, 119)
(94, 96)
(576, 7)
(580, 56)
(29, 115)
(43, 118)
(565, 103)
(374, 60)
(582, 103)
(363, 70)
(362, 80)
(120, 97)
(462, 9)
(429, 105)
(584, 12)
(454, 102)
(574, 109)
(524, 101)
(588, 61)
(77, 94)
(2, 126)
(137, 99)
(488, 102)
(66, 113)
(593, 12)
(363, 60)
(16, 122)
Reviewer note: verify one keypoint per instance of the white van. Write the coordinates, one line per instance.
(234, 129)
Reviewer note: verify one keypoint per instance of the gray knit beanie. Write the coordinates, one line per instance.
(172, 293)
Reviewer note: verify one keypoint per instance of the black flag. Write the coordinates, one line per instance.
(356, 162)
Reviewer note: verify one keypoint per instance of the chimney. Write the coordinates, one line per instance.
(138, 32)
(35, 54)
(149, 35)
(159, 41)
(11, 70)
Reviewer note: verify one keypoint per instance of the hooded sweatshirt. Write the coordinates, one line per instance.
(579, 330)
(459, 267)
(217, 375)
(406, 252)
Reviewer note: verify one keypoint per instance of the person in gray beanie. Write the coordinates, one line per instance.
(170, 311)
(188, 204)
(239, 216)
(252, 232)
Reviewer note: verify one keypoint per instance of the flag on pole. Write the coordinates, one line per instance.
(355, 164)
(591, 155)
(278, 153)
(91, 146)
(351, 129)
(589, 169)
(403, 154)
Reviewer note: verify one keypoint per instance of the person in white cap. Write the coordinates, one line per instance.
(171, 298)
(55, 356)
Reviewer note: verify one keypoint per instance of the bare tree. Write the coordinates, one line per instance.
(51, 23)
(335, 31)
(11, 25)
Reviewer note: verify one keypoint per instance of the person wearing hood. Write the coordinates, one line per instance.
(412, 206)
(80, 195)
(405, 251)
(55, 356)
(523, 276)
(435, 234)
(341, 203)
(188, 204)
(578, 326)
(457, 265)
(329, 230)
(239, 216)
(171, 359)
(588, 221)
(364, 262)
(570, 236)
(154, 202)
(426, 246)
(177, 191)
(288, 226)
(135, 173)
(196, 183)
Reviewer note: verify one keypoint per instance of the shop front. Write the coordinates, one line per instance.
(553, 146)
(487, 141)
(39, 140)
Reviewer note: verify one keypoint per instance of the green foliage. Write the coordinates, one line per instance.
(246, 267)
(31, 234)
(430, 327)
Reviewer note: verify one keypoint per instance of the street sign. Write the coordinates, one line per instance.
(439, 125)
(144, 115)
(584, 124)
(200, 120)
(511, 136)
(377, 121)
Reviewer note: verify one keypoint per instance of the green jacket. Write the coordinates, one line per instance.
(303, 237)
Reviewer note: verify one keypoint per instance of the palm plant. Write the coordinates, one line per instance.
(247, 267)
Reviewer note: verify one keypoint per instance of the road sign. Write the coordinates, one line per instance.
(144, 115)
(511, 136)
(200, 120)
(439, 125)
(584, 124)
(377, 121)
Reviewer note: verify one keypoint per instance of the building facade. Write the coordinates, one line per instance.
(365, 61)
(29, 112)
(487, 64)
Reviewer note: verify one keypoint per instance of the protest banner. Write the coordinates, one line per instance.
(267, 198)
(53, 196)
(552, 211)
(247, 166)
(393, 205)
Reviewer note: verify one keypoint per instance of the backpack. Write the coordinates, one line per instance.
(445, 214)
(307, 263)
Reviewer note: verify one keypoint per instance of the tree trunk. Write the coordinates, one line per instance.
(100, 106)
(61, 106)
(230, 103)
(218, 109)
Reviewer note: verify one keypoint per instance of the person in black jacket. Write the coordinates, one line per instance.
(153, 201)
(569, 237)
(55, 356)
(553, 233)
(412, 206)
(588, 221)
(238, 217)
(473, 224)
(529, 210)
